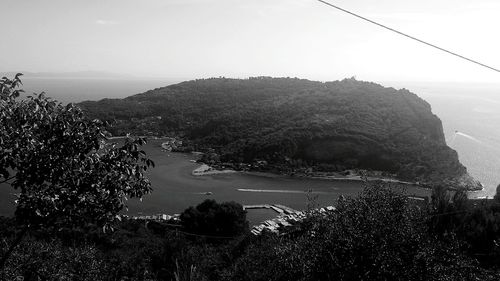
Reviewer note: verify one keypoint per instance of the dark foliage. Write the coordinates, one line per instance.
(211, 218)
(59, 162)
(63, 171)
(379, 235)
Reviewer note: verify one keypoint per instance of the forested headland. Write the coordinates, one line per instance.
(295, 125)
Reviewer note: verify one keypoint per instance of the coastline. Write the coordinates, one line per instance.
(356, 178)
(465, 181)
(206, 170)
(360, 178)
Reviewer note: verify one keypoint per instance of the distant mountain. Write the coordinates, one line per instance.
(290, 122)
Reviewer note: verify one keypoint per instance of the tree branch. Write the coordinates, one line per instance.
(8, 179)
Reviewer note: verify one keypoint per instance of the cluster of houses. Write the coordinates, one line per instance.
(278, 223)
(203, 169)
(158, 217)
(286, 218)
(170, 144)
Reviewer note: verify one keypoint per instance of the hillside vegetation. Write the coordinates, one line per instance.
(379, 235)
(290, 122)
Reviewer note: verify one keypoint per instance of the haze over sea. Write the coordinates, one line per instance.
(79, 89)
(470, 113)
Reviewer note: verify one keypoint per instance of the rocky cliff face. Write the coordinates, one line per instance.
(334, 125)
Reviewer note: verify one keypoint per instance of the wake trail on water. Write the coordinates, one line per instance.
(452, 142)
(468, 136)
(280, 191)
(474, 139)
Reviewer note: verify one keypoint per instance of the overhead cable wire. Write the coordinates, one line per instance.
(409, 36)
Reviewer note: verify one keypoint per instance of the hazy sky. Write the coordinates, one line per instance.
(240, 38)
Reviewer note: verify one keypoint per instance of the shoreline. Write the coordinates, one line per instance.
(465, 181)
(359, 178)
(356, 178)
(206, 170)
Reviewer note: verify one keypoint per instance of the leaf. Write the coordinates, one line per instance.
(4, 173)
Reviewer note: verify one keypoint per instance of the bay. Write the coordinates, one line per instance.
(175, 188)
(470, 114)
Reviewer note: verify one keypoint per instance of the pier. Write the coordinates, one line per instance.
(280, 209)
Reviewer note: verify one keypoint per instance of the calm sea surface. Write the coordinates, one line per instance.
(68, 90)
(471, 122)
(471, 110)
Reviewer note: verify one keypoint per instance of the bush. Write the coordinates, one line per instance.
(376, 236)
(212, 218)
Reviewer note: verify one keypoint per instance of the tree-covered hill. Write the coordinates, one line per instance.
(294, 122)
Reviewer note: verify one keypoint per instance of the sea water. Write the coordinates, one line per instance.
(470, 113)
(75, 90)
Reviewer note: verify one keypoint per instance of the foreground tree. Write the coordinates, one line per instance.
(497, 194)
(212, 218)
(63, 170)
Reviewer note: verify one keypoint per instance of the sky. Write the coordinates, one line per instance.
(240, 38)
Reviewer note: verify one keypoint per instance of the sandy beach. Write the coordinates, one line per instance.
(205, 170)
